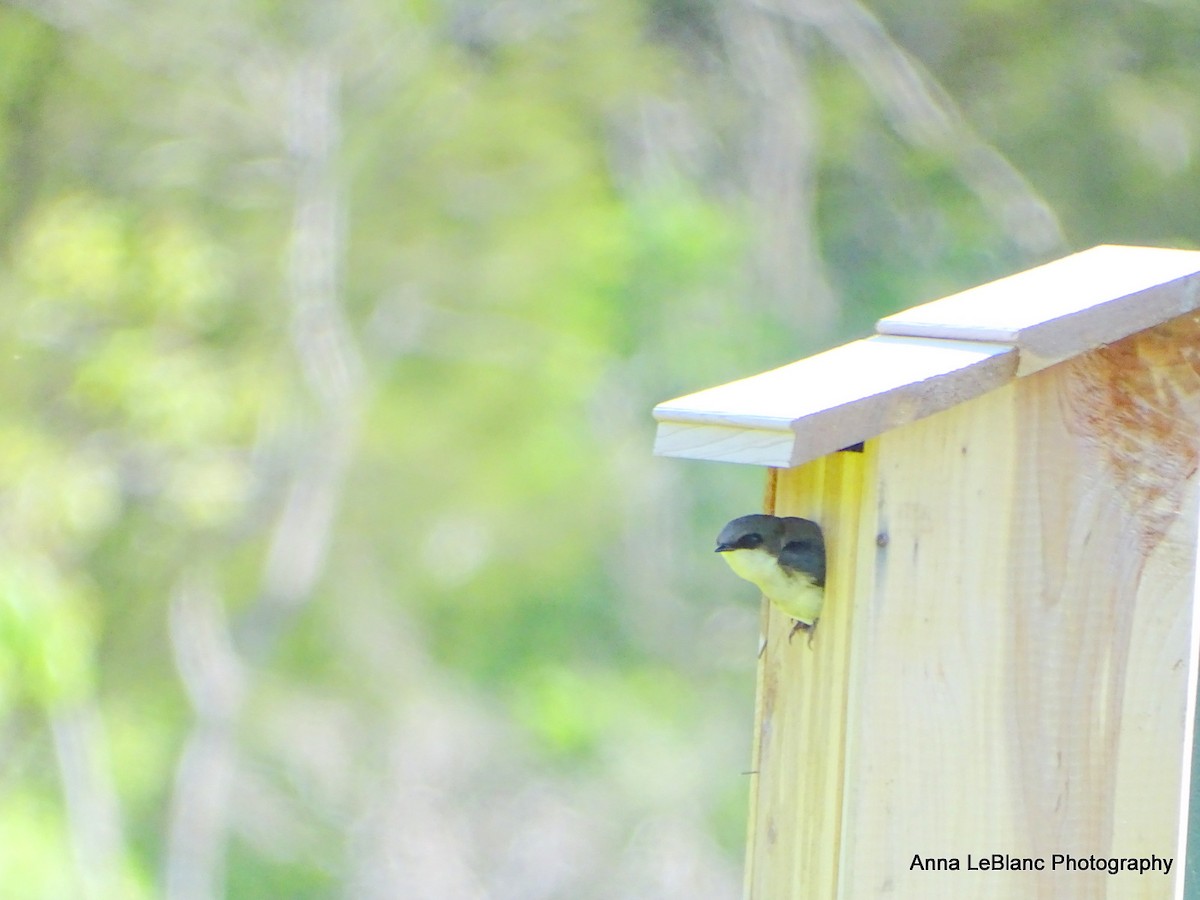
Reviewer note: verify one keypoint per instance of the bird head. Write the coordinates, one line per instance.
(752, 533)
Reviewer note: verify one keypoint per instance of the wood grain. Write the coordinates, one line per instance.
(1066, 307)
(1004, 659)
(932, 357)
(829, 401)
(794, 827)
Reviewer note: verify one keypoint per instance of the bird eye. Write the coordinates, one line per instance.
(751, 541)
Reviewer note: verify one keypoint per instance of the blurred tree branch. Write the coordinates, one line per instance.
(781, 162)
(924, 114)
(93, 811)
(205, 649)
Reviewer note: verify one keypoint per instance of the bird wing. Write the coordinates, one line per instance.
(803, 550)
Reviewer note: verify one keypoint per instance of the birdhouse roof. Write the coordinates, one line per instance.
(931, 357)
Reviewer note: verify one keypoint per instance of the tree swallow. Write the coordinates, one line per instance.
(785, 558)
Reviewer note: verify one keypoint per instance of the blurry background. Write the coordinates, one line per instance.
(333, 558)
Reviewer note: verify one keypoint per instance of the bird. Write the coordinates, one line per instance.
(785, 557)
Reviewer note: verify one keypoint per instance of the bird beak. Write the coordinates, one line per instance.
(722, 548)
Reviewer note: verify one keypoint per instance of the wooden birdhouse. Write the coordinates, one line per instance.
(999, 700)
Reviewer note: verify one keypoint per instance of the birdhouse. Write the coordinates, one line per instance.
(999, 700)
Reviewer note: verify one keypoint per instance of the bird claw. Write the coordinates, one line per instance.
(797, 625)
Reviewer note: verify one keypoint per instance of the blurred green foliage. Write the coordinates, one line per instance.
(325, 445)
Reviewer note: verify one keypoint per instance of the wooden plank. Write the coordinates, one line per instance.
(726, 443)
(1021, 643)
(927, 758)
(1188, 852)
(1066, 307)
(820, 404)
(794, 838)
